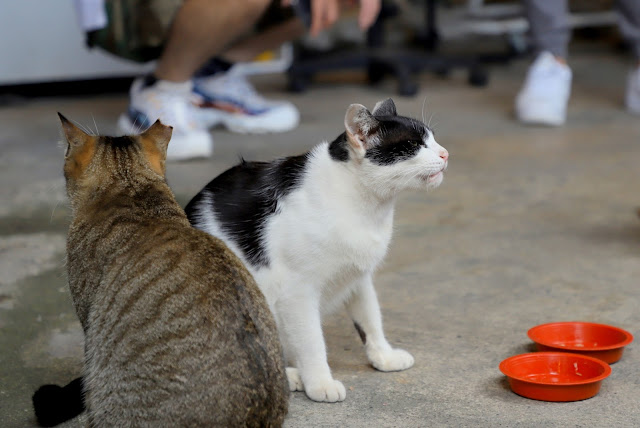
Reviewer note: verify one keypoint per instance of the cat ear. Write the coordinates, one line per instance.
(160, 135)
(76, 138)
(385, 108)
(361, 128)
(155, 141)
(80, 149)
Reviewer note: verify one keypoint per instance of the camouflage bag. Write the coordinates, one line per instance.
(136, 29)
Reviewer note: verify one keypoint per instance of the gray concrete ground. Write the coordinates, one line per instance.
(531, 225)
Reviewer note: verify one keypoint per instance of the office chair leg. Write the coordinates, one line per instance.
(298, 82)
(478, 77)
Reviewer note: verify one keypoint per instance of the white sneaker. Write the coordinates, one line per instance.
(633, 91)
(172, 104)
(545, 93)
(230, 100)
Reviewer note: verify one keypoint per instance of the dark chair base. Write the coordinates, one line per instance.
(402, 64)
(380, 61)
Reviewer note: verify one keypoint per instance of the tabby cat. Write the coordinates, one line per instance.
(176, 331)
(313, 229)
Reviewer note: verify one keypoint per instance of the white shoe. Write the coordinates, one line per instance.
(633, 91)
(172, 104)
(229, 99)
(545, 93)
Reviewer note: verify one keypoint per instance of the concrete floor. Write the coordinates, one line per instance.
(531, 225)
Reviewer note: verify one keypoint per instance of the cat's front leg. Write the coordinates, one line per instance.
(301, 324)
(364, 310)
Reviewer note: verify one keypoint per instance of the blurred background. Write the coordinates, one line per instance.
(532, 224)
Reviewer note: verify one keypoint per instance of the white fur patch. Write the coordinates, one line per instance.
(324, 243)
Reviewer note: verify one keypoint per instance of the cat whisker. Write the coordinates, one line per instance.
(95, 124)
(424, 102)
(140, 128)
(84, 128)
(53, 188)
(135, 121)
(410, 175)
(53, 212)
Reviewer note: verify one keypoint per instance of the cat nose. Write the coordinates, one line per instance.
(444, 155)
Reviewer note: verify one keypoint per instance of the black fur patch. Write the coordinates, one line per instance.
(120, 142)
(402, 138)
(338, 149)
(54, 404)
(245, 196)
(361, 333)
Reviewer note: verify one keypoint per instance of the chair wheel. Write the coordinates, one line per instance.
(478, 77)
(442, 71)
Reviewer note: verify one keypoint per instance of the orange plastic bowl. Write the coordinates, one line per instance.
(555, 376)
(594, 340)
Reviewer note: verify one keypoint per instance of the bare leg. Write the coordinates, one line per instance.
(247, 49)
(365, 313)
(201, 30)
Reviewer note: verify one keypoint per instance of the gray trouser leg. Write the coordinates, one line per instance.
(629, 16)
(549, 25)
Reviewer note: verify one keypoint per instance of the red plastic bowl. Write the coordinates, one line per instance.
(594, 340)
(555, 376)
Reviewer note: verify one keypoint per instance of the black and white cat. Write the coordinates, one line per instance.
(313, 228)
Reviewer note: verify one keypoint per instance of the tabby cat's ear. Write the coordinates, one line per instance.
(155, 141)
(385, 108)
(362, 128)
(76, 138)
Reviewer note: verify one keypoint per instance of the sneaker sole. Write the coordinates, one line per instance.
(249, 125)
(536, 119)
(540, 115)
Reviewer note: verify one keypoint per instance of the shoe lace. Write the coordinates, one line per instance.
(238, 85)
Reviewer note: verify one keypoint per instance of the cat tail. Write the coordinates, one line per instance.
(54, 404)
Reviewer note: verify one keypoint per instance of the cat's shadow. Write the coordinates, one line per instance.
(627, 233)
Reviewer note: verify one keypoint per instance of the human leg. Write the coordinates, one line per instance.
(200, 29)
(630, 24)
(226, 97)
(548, 26)
(247, 49)
(545, 93)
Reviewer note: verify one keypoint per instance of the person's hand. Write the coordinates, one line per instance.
(323, 14)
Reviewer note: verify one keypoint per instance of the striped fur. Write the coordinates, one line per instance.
(177, 332)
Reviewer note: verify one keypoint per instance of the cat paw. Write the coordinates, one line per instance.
(391, 360)
(328, 391)
(295, 381)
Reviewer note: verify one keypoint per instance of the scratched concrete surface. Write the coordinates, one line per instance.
(531, 225)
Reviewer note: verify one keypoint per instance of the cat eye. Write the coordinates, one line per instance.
(415, 143)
